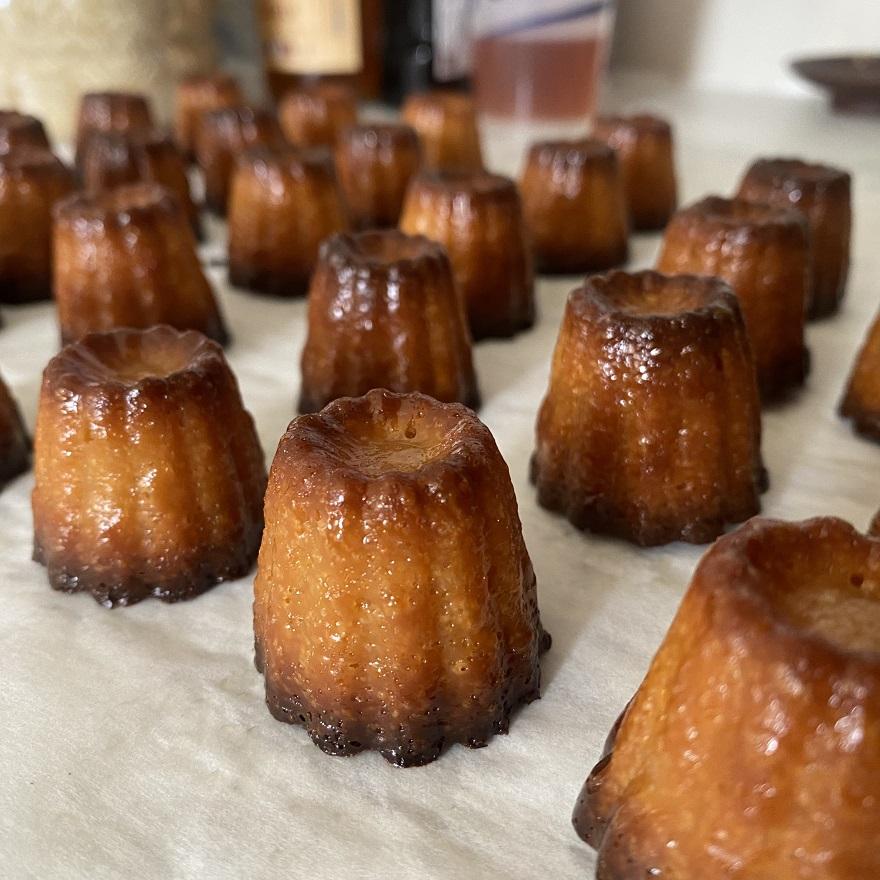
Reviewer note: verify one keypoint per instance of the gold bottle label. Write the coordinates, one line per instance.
(312, 36)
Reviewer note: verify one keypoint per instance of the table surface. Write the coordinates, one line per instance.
(135, 743)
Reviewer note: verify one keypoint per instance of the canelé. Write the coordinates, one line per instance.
(315, 116)
(110, 159)
(762, 253)
(395, 603)
(375, 164)
(384, 312)
(575, 207)
(196, 95)
(21, 130)
(861, 399)
(15, 445)
(651, 426)
(284, 203)
(752, 748)
(32, 180)
(122, 112)
(644, 146)
(446, 123)
(478, 218)
(149, 476)
(822, 194)
(126, 257)
(222, 136)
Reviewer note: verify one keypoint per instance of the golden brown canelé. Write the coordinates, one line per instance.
(196, 95)
(126, 257)
(222, 136)
(752, 747)
(446, 123)
(861, 399)
(15, 445)
(375, 164)
(644, 147)
(32, 180)
(395, 603)
(384, 312)
(651, 426)
(123, 112)
(315, 116)
(575, 207)
(762, 252)
(284, 203)
(478, 219)
(149, 476)
(110, 159)
(21, 130)
(822, 194)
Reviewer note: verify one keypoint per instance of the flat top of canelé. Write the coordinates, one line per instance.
(782, 171)
(240, 118)
(817, 580)
(379, 249)
(571, 152)
(267, 160)
(128, 358)
(374, 134)
(637, 122)
(480, 184)
(743, 214)
(322, 92)
(651, 295)
(120, 204)
(440, 101)
(30, 158)
(384, 434)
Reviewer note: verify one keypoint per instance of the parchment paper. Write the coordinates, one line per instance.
(135, 743)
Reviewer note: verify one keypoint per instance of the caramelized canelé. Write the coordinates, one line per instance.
(446, 123)
(822, 194)
(284, 203)
(861, 399)
(752, 748)
(196, 95)
(316, 115)
(375, 164)
(32, 180)
(149, 476)
(395, 604)
(21, 130)
(126, 257)
(762, 253)
(384, 312)
(478, 219)
(651, 426)
(575, 207)
(122, 112)
(15, 445)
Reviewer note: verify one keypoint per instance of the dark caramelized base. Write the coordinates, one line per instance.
(265, 281)
(128, 587)
(413, 746)
(572, 263)
(785, 379)
(19, 291)
(505, 329)
(595, 514)
(15, 459)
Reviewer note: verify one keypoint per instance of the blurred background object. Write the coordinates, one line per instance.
(853, 81)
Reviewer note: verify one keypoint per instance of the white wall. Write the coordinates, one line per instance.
(740, 45)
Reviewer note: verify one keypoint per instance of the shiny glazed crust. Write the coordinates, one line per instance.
(822, 194)
(375, 164)
(20, 130)
(122, 112)
(644, 147)
(651, 426)
(15, 445)
(384, 312)
(478, 219)
(762, 253)
(222, 136)
(395, 604)
(149, 476)
(32, 180)
(316, 116)
(752, 748)
(196, 95)
(446, 123)
(861, 400)
(284, 203)
(127, 258)
(575, 207)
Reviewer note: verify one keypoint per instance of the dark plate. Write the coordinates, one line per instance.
(852, 80)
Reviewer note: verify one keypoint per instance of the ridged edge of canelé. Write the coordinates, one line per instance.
(727, 574)
(379, 136)
(632, 125)
(141, 202)
(480, 187)
(780, 171)
(717, 215)
(16, 446)
(78, 371)
(417, 744)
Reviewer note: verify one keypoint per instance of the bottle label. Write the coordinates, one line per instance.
(312, 36)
